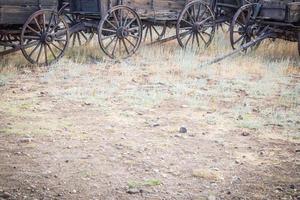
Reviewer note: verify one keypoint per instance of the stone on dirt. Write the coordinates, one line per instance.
(245, 134)
(133, 191)
(183, 130)
(25, 140)
(5, 195)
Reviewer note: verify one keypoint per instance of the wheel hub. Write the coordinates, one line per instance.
(46, 38)
(122, 32)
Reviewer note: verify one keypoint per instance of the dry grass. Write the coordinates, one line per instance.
(162, 73)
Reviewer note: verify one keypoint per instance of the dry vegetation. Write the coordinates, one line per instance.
(92, 128)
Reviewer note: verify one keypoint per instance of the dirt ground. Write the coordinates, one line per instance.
(152, 128)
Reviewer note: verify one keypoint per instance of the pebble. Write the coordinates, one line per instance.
(5, 195)
(155, 125)
(245, 134)
(25, 140)
(133, 191)
(183, 130)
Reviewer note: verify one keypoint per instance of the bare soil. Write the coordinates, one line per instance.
(111, 131)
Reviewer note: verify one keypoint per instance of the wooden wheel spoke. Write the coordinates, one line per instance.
(189, 14)
(146, 34)
(46, 54)
(115, 46)
(33, 30)
(30, 37)
(126, 48)
(197, 39)
(79, 40)
(189, 38)
(39, 54)
(130, 22)
(83, 35)
(35, 48)
(107, 37)
(111, 41)
(38, 25)
(115, 28)
(49, 47)
(184, 34)
(129, 42)
(116, 19)
(202, 38)
(56, 46)
(187, 22)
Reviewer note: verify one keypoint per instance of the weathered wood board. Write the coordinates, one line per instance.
(167, 9)
(18, 11)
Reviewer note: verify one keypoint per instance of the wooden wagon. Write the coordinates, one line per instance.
(34, 27)
(123, 23)
(274, 19)
(42, 29)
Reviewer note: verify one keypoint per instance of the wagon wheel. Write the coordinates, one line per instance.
(44, 37)
(243, 29)
(120, 32)
(196, 26)
(153, 33)
(82, 37)
(8, 41)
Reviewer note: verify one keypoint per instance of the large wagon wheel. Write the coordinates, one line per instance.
(152, 32)
(242, 28)
(196, 26)
(44, 37)
(82, 37)
(120, 32)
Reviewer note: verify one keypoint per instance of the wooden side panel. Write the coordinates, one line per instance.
(145, 8)
(27, 2)
(17, 14)
(171, 5)
(168, 9)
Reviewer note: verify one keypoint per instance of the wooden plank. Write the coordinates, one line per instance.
(27, 2)
(17, 14)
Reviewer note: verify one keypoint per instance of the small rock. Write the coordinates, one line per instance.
(74, 191)
(292, 186)
(155, 125)
(5, 195)
(87, 104)
(133, 191)
(279, 189)
(297, 150)
(183, 130)
(25, 140)
(240, 117)
(245, 134)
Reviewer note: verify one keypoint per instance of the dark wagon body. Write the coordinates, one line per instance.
(16, 12)
(276, 19)
(34, 27)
